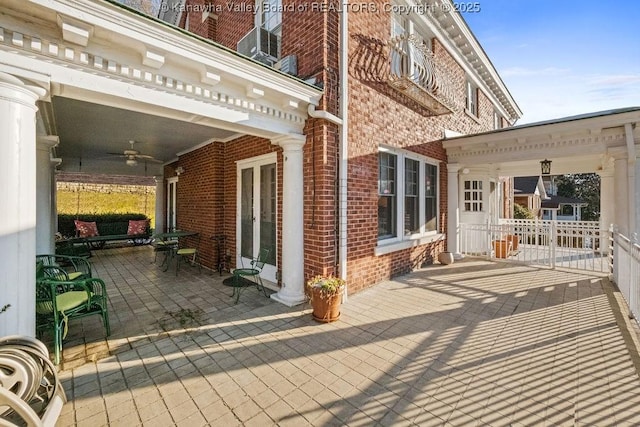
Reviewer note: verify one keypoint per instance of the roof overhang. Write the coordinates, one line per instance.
(575, 144)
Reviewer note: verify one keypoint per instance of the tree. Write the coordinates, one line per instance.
(583, 186)
(520, 212)
(566, 186)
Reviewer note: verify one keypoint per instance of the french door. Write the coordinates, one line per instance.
(257, 212)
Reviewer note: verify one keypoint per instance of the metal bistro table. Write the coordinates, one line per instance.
(168, 243)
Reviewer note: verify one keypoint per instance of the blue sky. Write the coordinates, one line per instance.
(561, 58)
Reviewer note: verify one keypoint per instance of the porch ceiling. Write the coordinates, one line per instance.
(113, 75)
(88, 132)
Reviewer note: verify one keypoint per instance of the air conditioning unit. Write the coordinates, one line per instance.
(288, 64)
(261, 45)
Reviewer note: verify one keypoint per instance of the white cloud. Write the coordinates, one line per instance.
(615, 80)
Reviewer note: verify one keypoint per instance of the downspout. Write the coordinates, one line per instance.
(343, 126)
(631, 177)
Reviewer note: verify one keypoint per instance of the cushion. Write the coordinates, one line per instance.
(137, 226)
(86, 229)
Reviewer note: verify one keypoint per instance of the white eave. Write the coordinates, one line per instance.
(193, 52)
(465, 48)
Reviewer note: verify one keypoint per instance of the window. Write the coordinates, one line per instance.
(398, 25)
(411, 205)
(270, 16)
(472, 99)
(497, 120)
(386, 195)
(473, 196)
(407, 195)
(567, 210)
(430, 197)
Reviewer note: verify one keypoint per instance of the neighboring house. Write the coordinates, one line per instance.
(562, 208)
(538, 195)
(530, 192)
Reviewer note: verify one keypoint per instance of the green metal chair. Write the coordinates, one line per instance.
(60, 301)
(252, 272)
(189, 252)
(76, 267)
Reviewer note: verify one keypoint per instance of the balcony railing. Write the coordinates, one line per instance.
(415, 73)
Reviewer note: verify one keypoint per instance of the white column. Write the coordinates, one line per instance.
(292, 290)
(607, 201)
(159, 210)
(621, 195)
(637, 193)
(45, 205)
(453, 210)
(17, 204)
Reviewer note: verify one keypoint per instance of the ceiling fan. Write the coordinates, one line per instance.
(132, 156)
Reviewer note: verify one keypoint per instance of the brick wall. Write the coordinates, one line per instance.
(378, 114)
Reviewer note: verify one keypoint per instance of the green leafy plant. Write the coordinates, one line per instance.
(329, 286)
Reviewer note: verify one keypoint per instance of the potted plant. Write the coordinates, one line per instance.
(325, 294)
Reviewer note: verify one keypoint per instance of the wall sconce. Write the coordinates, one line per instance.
(545, 167)
(179, 170)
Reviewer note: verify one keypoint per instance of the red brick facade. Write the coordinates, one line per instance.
(378, 115)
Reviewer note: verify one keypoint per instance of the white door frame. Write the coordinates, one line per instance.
(172, 193)
(269, 271)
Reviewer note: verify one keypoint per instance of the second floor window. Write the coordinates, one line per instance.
(472, 99)
(270, 16)
(497, 120)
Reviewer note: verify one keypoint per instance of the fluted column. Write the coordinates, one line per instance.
(621, 195)
(607, 203)
(45, 193)
(17, 204)
(292, 290)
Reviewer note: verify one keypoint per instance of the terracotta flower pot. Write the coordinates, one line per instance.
(445, 258)
(502, 248)
(325, 308)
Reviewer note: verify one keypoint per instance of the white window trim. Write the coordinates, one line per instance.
(402, 241)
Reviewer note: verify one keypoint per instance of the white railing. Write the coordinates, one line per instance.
(570, 244)
(415, 72)
(626, 270)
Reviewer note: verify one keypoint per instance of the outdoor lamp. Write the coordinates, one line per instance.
(545, 167)
(179, 170)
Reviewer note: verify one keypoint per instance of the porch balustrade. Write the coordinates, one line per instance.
(416, 73)
(625, 264)
(571, 244)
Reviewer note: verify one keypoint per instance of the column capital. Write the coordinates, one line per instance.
(21, 91)
(453, 167)
(290, 142)
(46, 142)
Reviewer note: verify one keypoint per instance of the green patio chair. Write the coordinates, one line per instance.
(60, 301)
(190, 253)
(76, 267)
(253, 272)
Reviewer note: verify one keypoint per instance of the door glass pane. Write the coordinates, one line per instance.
(246, 213)
(268, 210)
